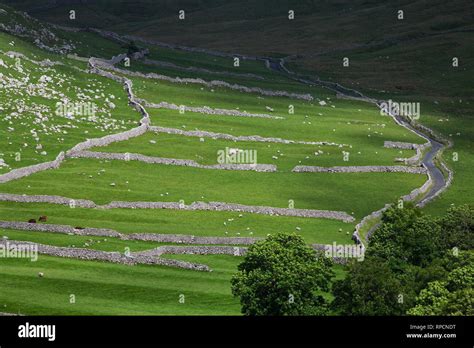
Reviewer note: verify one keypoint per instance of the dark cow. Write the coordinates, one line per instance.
(32, 221)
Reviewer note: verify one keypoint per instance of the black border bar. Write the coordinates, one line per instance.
(203, 330)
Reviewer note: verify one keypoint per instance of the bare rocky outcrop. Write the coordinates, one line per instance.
(43, 63)
(360, 169)
(256, 138)
(171, 161)
(94, 64)
(104, 141)
(41, 35)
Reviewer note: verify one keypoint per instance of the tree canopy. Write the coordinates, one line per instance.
(282, 276)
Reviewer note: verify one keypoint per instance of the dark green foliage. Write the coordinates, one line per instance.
(132, 48)
(457, 228)
(371, 288)
(452, 296)
(418, 257)
(282, 276)
(406, 237)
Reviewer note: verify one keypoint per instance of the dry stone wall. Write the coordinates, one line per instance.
(199, 206)
(221, 206)
(148, 237)
(360, 169)
(374, 215)
(190, 239)
(201, 70)
(335, 259)
(256, 138)
(43, 63)
(419, 191)
(416, 159)
(64, 229)
(207, 110)
(210, 249)
(114, 257)
(210, 84)
(140, 54)
(26, 171)
(377, 214)
(215, 245)
(127, 38)
(194, 250)
(216, 250)
(107, 140)
(399, 145)
(94, 63)
(172, 161)
(449, 181)
(79, 203)
(413, 127)
(104, 141)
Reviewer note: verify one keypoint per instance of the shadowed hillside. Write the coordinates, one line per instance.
(385, 53)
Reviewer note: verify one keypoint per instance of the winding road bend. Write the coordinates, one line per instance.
(439, 181)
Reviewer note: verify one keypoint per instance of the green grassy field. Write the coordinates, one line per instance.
(109, 289)
(454, 121)
(288, 155)
(136, 181)
(102, 288)
(181, 222)
(31, 120)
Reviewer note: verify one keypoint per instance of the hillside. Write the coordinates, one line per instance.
(381, 47)
(143, 171)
